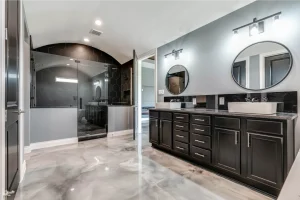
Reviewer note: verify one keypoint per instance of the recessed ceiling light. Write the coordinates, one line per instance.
(68, 64)
(86, 39)
(71, 59)
(98, 22)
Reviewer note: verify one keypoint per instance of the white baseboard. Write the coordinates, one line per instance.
(23, 171)
(27, 149)
(119, 133)
(51, 143)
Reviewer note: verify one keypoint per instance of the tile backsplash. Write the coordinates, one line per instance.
(287, 101)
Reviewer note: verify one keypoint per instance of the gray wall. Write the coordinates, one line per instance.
(56, 94)
(120, 118)
(254, 69)
(52, 124)
(148, 94)
(209, 51)
(26, 52)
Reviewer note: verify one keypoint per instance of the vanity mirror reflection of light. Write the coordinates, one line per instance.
(262, 65)
(177, 79)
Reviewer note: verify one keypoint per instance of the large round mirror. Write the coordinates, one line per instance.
(262, 65)
(177, 79)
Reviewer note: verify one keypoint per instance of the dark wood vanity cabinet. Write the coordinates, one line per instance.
(265, 159)
(256, 151)
(160, 129)
(154, 131)
(228, 150)
(165, 133)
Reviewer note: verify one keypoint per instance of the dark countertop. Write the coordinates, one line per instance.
(281, 116)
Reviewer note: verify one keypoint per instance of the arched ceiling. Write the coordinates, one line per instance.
(126, 25)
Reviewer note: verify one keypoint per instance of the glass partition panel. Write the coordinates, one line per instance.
(53, 81)
(93, 86)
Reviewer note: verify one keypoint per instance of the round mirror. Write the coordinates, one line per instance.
(177, 79)
(262, 65)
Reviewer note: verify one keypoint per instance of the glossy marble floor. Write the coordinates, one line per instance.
(121, 169)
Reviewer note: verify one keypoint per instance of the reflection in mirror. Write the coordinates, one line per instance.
(177, 79)
(262, 65)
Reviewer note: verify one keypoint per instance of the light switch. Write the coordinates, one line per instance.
(161, 91)
(221, 100)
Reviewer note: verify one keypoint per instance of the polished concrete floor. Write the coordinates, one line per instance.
(121, 169)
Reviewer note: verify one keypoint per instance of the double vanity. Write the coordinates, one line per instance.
(254, 149)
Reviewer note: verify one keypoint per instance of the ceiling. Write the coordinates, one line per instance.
(45, 60)
(126, 25)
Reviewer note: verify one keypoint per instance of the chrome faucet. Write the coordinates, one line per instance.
(248, 99)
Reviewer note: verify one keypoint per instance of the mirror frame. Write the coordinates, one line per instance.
(187, 84)
(290, 68)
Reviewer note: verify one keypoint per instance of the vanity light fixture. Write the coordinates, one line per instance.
(174, 53)
(97, 83)
(65, 80)
(257, 25)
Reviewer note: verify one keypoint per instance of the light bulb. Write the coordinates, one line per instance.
(254, 30)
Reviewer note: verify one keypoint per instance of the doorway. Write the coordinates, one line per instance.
(145, 96)
(148, 92)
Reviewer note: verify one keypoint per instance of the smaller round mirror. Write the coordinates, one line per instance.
(262, 65)
(177, 79)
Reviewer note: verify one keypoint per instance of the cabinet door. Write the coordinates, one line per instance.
(154, 131)
(228, 150)
(265, 160)
(166, 133)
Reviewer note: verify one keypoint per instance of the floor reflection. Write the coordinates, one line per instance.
(119, 168)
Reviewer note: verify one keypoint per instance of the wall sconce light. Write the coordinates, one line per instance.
(174, 53)
(97, 83)
(257, 26)
(106, 80)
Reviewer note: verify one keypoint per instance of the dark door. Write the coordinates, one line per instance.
(11, 98)
(265, 162)
(166, 133)
(228, 150)
(239, 72)
(276, 68)
(154, 131)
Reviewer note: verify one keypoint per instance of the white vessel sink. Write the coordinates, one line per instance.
(171, 105)
(265, 108)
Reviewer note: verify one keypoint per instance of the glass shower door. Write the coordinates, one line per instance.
(92, 99)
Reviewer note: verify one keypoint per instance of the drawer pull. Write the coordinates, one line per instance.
(200, 141)
(180, 136)
(198, 154)
(196, 129)
(179, 117)
(179, 126)
(201, 120)
(180, 148)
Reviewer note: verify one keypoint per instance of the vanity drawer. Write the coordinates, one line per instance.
(181, 117)
(181, 126)
(201, 154)
(201, 141)
(272, 127)
(181, 136)
(154, 114)
(200, 129)
(181, 147)
(166, 115)
(200, 119)
(228, 122)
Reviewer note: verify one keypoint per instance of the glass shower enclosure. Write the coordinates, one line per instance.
(87, 86)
